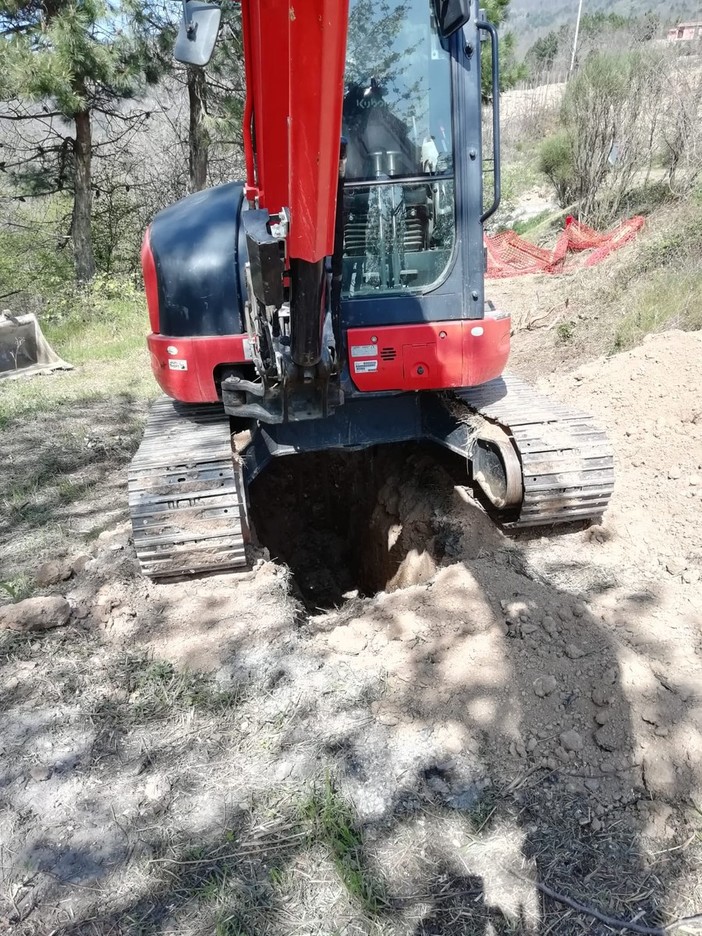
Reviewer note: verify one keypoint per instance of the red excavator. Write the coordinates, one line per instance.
(335, 299)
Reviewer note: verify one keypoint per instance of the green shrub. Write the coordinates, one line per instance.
(556, 163)
(565, 332)
(612, 118)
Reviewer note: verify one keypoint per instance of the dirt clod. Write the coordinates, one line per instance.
(676, 566)
(347, 639)
(40, 773)
(544, 686)
(52, 572)
(571, 740)
(35, 614)
(79, 563)
(659, 774)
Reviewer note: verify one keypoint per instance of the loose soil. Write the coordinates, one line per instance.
(403, 735)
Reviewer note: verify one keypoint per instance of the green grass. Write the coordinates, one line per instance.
(519, 175)
(159, 687)
(532, 224)
(333, 824)
(102, 332)
(672, 298)
(661, 287)
(18, 587)
(65, 435)
(565, 332)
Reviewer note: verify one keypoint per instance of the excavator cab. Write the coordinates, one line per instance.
(399, 197)
(412, 199)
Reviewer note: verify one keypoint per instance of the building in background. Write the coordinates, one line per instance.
(685, 32)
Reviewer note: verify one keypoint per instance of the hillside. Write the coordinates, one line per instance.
(529, 19)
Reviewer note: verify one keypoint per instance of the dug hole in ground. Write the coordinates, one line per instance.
(399, 724)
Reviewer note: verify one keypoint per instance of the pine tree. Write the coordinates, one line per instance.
(215, 93)
(511, 71)
(65, 61)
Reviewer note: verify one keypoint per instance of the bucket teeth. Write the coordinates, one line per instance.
(566, 458)
(186, 493)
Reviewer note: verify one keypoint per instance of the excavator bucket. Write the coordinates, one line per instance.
(24, 351)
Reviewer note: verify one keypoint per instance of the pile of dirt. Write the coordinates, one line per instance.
(503, 712)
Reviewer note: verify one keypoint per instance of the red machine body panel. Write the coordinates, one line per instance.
(148, 268)
(184, 368)
(430, 356)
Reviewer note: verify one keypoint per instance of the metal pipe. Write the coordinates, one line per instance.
(575, 40)
(306, 311)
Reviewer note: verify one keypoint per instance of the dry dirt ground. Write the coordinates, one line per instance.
(218, 757)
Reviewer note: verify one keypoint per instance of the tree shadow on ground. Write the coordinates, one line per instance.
(60, 472)
(414, 765)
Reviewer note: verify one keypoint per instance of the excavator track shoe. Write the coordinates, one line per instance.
(186, 493)
(566, 459)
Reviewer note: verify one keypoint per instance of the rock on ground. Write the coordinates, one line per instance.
(35, 614)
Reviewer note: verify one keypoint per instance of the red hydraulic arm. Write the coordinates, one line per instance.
(295, 54)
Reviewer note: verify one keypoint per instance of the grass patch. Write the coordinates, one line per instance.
(670, 299)
(102, 332)
(158, 688)
(333, 824)
(660, 288)
(106, 322)
(18, 587)
(530, 224)
(674, 244)
(565, 332)
(64, 435)
(518, 177)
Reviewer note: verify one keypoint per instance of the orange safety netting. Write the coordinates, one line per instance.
(508, 254)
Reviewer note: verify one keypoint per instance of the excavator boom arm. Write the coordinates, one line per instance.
(294, 54)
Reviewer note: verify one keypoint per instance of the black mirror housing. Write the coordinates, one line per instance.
(451, 15)
(197, 34)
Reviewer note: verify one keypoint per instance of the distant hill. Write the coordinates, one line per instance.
(529, 19)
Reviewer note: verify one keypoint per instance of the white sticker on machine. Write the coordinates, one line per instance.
(364, 350)
(175, 364)
(247, 348)
(365, 367)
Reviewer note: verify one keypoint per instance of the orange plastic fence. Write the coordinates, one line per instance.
(508, 254)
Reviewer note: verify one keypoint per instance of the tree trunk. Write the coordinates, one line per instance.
(83, 200)
(199, 139)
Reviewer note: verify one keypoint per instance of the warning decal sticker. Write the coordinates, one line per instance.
(365, 367)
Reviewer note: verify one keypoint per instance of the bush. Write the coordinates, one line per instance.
(35, 254)
(622, 113)
(557, 164)
(607, 113)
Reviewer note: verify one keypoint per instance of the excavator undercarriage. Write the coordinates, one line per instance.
(531, 462)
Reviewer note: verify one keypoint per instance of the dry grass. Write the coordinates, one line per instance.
(62, 435)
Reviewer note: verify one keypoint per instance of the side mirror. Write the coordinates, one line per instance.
(451, 15)
(198, 32)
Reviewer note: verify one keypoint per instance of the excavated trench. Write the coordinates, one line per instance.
(357, 522)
